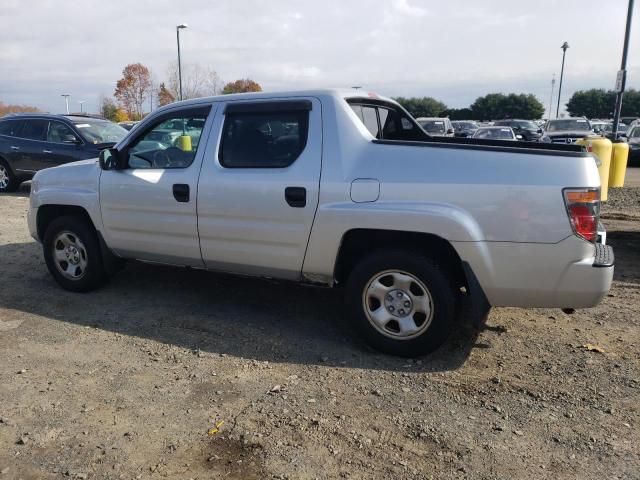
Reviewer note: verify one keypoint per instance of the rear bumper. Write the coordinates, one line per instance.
(585, 283)
(569, 274)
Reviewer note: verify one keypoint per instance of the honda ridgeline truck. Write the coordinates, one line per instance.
(335, 189)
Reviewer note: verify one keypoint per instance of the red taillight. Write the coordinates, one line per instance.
(583, 207)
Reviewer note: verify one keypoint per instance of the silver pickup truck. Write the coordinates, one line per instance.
(335, 189)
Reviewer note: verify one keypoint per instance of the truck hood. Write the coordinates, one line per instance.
(569, 133)
(81, 175)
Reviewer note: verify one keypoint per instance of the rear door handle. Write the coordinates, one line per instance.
(181, 192)
(296, 197)
(15, 148)
(46, 151)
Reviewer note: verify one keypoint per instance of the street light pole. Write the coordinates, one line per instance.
(622, 73)
(66, 100)
(564, 47)
(80, 102)
(178, 28)
(553, 84)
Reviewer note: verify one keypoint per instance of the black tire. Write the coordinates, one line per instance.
(93, 275)
(442, 299)
(13, 182)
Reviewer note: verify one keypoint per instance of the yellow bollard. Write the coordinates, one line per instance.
(183, 142)
(601, 148)
(618, 168)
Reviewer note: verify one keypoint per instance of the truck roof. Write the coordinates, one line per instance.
(330, 92)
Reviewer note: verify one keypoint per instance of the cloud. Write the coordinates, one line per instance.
(402, 6)
(455, 51)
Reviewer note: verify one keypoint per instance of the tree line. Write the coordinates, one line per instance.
(594, 103)
(493, 106)
(137, 86)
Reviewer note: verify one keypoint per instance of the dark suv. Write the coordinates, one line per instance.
(29, 143)
(528, 130)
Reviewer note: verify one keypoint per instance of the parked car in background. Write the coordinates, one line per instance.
(413, 226)
(608, 128)
(496, 133)
(464, 128)
(437, 127)
(566, 130)
(528, 130)
(629, 120)
(633, 138)
(31, 142)
(598, 126)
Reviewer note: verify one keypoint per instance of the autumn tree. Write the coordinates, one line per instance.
(242, 86)
(5, 109)
(165, 97)
(197, 81)
(133, 88)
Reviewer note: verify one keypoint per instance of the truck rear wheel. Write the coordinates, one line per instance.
(401, 302)
(72, 253)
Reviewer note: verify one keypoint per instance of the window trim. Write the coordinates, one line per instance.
(268, 106)
(295, 106)
(204, 110)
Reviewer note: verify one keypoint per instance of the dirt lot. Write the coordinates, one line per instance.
(125, 382)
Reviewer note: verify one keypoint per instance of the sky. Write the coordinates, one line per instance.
(453, 50)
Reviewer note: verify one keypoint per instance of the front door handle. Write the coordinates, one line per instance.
(15, 148)
(46, 151)
(181, 192)
(296, 197)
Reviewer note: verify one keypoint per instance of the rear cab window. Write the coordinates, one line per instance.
(386, 121)
(271, 134)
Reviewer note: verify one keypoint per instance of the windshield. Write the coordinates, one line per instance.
(95, 131)
(495, 133)
(525, 124)
(465, 125)
(432, 126)
(634, 132)
(609, 127)
(568, 125)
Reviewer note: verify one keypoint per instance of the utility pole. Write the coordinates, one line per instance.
(178, 28)
(564, 47)
(66, 100)
(553, 84)
(621, 80)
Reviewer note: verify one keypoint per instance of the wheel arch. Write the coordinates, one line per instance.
(48, 213)
(359, 242)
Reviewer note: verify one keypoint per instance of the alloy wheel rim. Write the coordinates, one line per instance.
(4, 177)
(397, 304)
(70, 255)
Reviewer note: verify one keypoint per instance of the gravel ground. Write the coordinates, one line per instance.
(127, 381)
(623, 200)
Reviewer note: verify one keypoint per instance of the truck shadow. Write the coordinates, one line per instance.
(626, 248)
(245, 317)
(23, 191)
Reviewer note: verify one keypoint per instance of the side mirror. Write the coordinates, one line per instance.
(539, 130)
(450, 131)
(109, 159)
(519, 137)
(70, 139)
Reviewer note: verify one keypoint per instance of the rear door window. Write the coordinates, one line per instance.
(387, 122)
(263, 139)
(35, 130)
(11, 128)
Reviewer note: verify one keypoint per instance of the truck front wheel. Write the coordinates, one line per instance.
(72, 254)
(401, 302)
